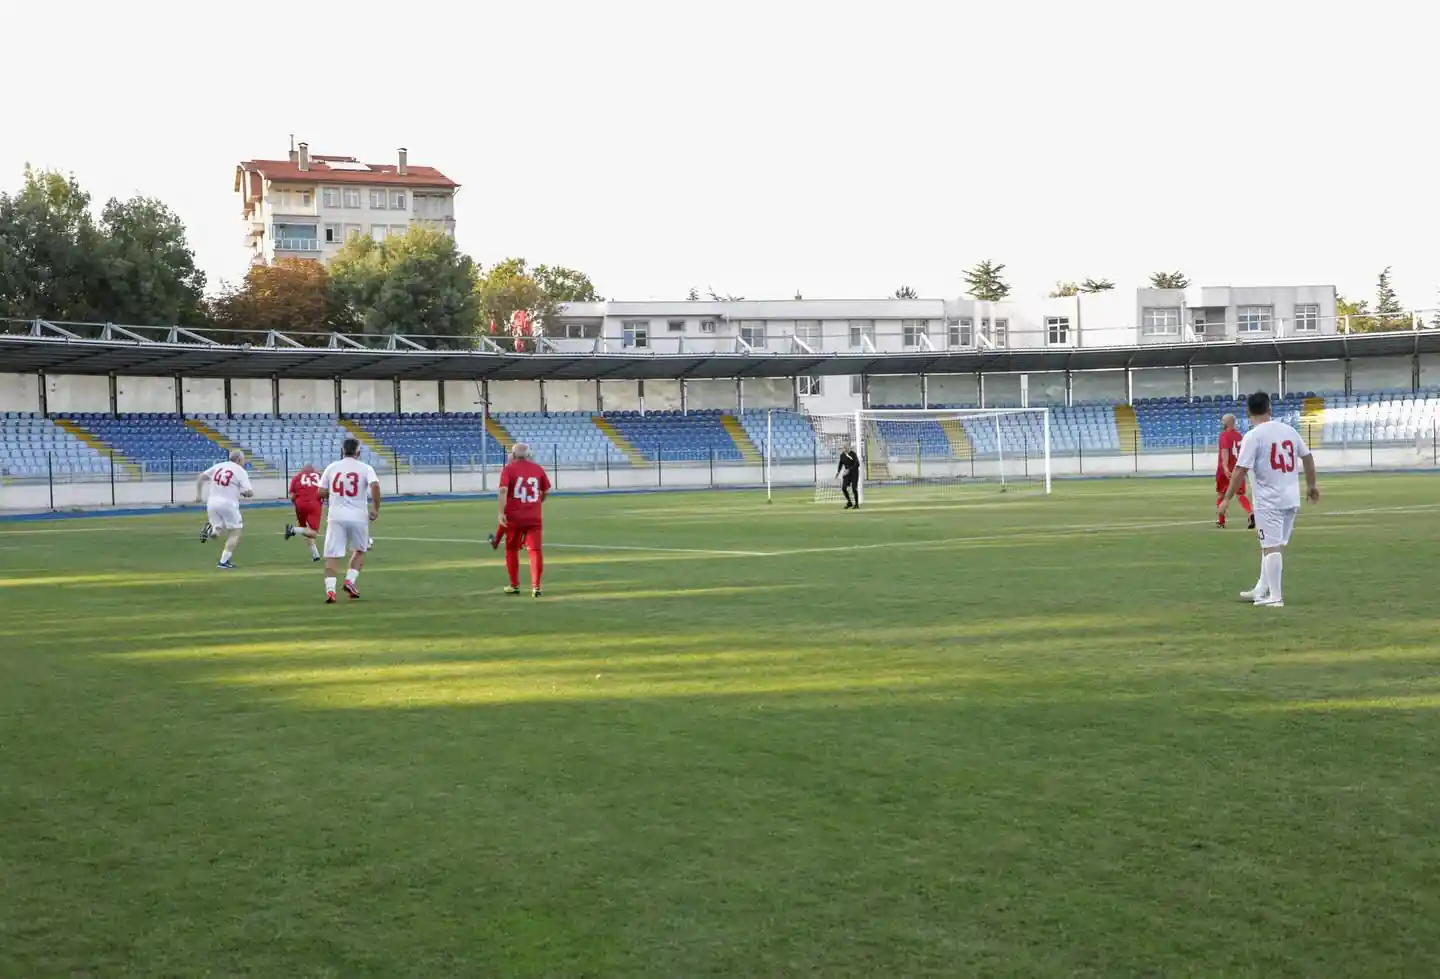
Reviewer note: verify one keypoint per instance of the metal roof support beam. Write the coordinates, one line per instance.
(275, 338)
(398, 342)
(41, 327)
(177, 333)
(110, 330)
(339, 341)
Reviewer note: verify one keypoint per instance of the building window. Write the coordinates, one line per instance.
(808, 332)
(999, 334)
(354, 231)
(860, 331)
(580, 331)
(330, 196)
(306, 198)
(398, 230)
(675, 326)
(1160, 321)
(352, 198)
(857, 385)
(1254, 319)
(707, 326)
(960, 332)
(397, 200)
(1057, 329)
(911, 331)
(637, 334)
(1307, 318)
(332, 234)
(377, 200)
(753, 333)
(1200, 325)
(809, 385)
(377, 231)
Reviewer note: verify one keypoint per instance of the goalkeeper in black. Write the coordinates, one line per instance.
(849, 472)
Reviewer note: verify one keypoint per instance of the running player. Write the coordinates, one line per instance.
(305, 495)
(229, 482)
(353, 490)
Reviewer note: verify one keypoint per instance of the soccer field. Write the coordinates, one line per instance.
(985, 735)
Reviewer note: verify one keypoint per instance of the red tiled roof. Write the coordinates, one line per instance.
(321, 172)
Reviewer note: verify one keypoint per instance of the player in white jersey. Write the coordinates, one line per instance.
(353, 490)
(229, 482)
(1270, 453)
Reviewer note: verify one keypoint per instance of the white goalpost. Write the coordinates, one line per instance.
(938, 451)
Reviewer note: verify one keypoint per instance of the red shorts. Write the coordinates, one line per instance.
(308, 515)
(522, 535)
(1222, 484)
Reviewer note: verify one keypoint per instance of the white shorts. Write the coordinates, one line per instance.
(1274, 527)
(345, 536)
(223, 515)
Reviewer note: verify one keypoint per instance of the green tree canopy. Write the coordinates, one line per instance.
(292, 296)
(1169, 280)
(986, 282)
(905, 292)
(417, 283)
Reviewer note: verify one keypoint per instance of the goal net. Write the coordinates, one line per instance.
(938, 451)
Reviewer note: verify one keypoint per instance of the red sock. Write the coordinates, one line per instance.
(537, 567)
(1245, 502)
(1219, 500)
(512, 566)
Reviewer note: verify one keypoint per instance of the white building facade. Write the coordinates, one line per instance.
(1107, 319)
(309, 206)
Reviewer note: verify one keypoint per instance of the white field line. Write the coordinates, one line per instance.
(1058, 533)
(592, 547)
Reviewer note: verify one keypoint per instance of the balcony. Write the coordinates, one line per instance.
(297, 244)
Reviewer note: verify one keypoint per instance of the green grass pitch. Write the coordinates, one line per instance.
(1000, 736)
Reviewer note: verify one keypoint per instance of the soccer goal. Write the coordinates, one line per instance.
(937, 451)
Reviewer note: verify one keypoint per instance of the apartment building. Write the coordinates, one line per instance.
(307, 206)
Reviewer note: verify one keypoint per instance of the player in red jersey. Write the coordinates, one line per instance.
(1230, 439)
(523, 488)
(305, 494)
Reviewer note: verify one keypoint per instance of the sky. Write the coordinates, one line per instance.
(834, 149)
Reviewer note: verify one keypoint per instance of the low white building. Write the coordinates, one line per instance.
(308, 206)
(1106, 319)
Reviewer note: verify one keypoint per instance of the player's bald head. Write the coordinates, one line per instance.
(1227, 422)
(237, 457)
(520, 451)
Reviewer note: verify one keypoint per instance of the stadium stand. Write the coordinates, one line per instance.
(78, 445)
(32, 446)
(283, 444)
(572, 438)
(152, 442)
(1174, 423)
(671, 435)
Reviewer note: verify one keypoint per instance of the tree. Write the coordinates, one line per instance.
(1065, 289)
(149, 277)
(905, 292)
(1389, 314)
(1096, 285)
(512, 286)
(718, 298)
(1169, 280)
(292, 296)
(50, 263)
(693, 295)
(417, 283)
(984, 282)
(1356, 315)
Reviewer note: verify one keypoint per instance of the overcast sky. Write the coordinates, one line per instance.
(834, 148)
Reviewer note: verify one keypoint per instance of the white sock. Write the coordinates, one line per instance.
(225, 555)
(351, 576)
(329, 586)
(314, 551)
(1273, 566)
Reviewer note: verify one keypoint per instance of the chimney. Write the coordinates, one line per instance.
(304, 156)
(294, 157)
(404, 166)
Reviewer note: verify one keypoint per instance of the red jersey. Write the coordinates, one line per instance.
(1229, 451)
(526, 484)
(305, 489)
